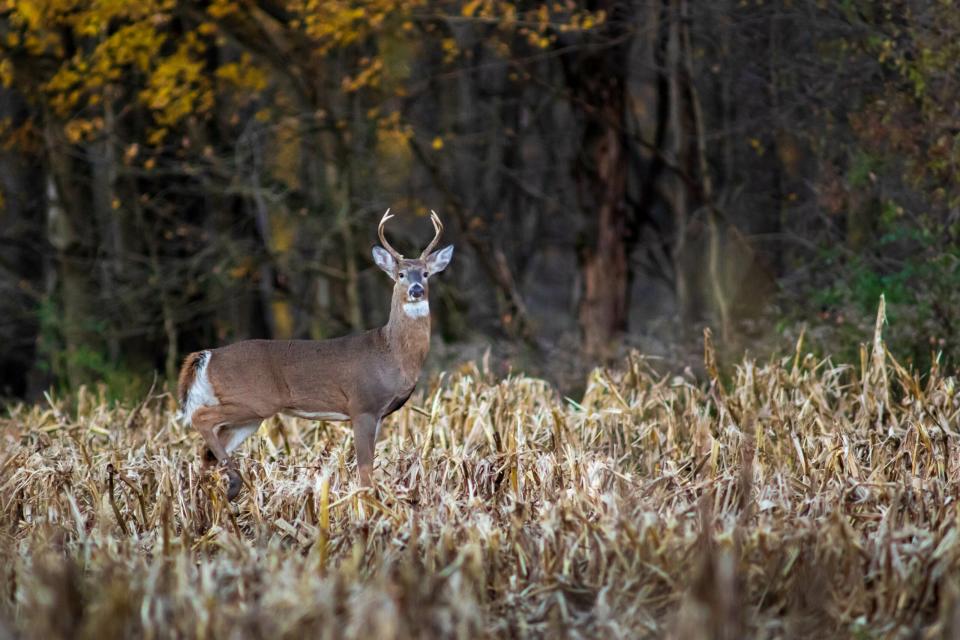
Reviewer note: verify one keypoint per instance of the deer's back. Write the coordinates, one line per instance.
(312, 376)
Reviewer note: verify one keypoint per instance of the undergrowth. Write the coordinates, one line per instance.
(801, 498)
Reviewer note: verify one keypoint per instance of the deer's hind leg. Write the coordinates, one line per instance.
(223, 428)
(231, 437)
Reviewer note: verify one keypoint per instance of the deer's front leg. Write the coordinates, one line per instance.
(365, 439)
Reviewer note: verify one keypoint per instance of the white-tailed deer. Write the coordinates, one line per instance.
(225, 393)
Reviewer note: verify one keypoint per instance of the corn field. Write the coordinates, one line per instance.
(794, 498)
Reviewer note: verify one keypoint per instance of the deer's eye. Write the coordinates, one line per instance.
(426, 273)
(402, 275)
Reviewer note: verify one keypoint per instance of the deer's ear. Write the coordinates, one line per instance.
(385, 261)
(439, 260)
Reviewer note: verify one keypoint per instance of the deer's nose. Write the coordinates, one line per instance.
(416, 291)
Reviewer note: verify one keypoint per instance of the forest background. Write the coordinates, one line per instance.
(177, 175)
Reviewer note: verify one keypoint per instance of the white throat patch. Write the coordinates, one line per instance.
(417, 309)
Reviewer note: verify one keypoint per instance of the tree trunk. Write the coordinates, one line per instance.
(598, 84)
(22, 264)
(103, 170)
(699, 142)
(73, 237)
(603, 306)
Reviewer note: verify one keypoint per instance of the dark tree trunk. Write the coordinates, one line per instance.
(597, 80)
(22, 266)
(603, 260)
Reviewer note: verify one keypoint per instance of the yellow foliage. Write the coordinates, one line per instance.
(133, 45)
(543, 15)
(156, 137)
(124, 48)
(221, 8)
(97, 15)
(23, 137)
(336, 24)
(80, 129)
(450, 49)
(178, 86)
(6, 72)
(393, 137)
(240, 271)
(369, 76)
(471, 7)
(244, 75)
(27, 13)
(535, 19)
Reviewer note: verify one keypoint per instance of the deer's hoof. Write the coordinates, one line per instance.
(234, 482)
(208, 459)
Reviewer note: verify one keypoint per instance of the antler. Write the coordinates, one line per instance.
(383, 240)
(438, 230)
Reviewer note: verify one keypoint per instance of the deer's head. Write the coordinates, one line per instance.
(411, 276)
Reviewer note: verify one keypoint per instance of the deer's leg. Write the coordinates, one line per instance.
(205, 420)
(224, 418)
(364, 439)
(209, 458)
(231, 437)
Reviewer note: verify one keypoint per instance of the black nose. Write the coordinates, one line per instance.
(416, 291)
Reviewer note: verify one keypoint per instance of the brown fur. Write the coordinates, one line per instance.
(188, 373)
(361, 377)
(352, 375)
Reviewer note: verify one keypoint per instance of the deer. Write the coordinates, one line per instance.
(225, 393)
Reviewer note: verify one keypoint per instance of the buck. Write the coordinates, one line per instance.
(226, 393)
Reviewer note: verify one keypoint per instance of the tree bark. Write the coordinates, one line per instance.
(74, 239)
(717, 289)
(603, 262)
(103, 170)
(597, 80)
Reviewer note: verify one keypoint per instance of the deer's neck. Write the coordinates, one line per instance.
(408, 334)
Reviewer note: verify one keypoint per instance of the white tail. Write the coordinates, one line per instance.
(226, 393)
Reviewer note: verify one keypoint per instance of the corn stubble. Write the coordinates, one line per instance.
(797, 499)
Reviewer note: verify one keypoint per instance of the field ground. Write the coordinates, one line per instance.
(798, 498)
